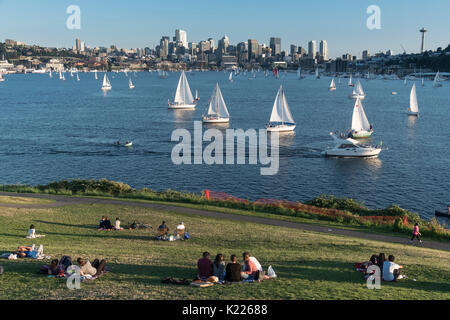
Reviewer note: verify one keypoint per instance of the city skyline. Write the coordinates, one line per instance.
(125, 26)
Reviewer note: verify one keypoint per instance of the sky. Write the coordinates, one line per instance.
(141, 23)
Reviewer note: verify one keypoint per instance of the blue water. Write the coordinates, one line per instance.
(53, 130)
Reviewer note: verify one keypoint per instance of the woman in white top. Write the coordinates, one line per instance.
(117, 224)
(32, 233)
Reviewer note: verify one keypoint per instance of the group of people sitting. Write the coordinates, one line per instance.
(180, 232)
(390, 271)
(59, 267)
(105, 224)
(216, 271)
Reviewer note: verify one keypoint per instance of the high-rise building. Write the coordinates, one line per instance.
(164, 47)
(365, 54)
(78, 44)
(223, 44)
(253, 48)
(181, 35)
(324, 49)
(212, 45)
(312, 48)
(293, 49)
(275, 45)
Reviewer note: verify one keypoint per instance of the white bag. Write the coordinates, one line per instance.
(271, 273)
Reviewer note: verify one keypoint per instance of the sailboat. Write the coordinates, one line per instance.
(361, 128)
(406, 80)
(183, 96)
(95, 75)
(332, 85)
(217, 110)
(78, 78)
(1, 77)
(63, 77)
(281, 119)
(423, 82)
(413, 105)
(317, 73)
(60, 76)
(230, 78)
(350, 84)
(50, 74)
(358, 92)
(130, 84)
(197, 98)
(106, 86)
(437, 81)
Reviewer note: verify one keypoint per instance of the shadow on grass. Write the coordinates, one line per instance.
(85, 226)
(107, 234)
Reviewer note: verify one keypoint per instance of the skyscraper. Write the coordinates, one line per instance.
(164, 47)
(78, 44)
(312, 48)
(324, 49)
(253, 48)
(275, 45)
(181, 35)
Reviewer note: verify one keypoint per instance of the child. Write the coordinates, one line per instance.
(416, 234)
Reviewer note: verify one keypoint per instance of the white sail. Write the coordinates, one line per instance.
(106, 84)
(50, 74)
(350, 81)
(317, 73)
(359, 120)
(183, 94)
(436, 82)
(78, 78)
(130, 83)
(95, 75)
(60, 76)
(231, 76)
(332, 84)
(359, 89)
(413, 105)
(217, 106)
(280, 111)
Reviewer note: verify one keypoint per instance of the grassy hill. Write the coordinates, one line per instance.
(309, 265)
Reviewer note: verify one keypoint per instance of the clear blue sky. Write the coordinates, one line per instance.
(141, 23)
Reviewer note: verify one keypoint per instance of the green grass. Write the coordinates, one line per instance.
(309, 265)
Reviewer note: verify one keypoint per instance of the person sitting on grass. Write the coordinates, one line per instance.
(380, 261)
(117, 225)
(250, 269)
(102, 223)
(233, 270)
(55, 268)
(391, 270)
(416, 234)
(219, 267)
(95, 269)
(205, 267)
(163, 230)
(29, 252)
(32, 233)
(181, 230)
(107, 224)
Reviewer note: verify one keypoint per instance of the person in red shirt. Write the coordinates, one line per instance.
(250, 270)
(416, 233)
(205, 266)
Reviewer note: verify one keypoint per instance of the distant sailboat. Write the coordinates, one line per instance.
(230, 78)
(332, 85)
(1, 77)
(281, 119)
(60, 76)
(130, 84)
(183, 96)
(106, 86)
(50, 74)
(317, 73)
(350, 84)
(217, 110)
(63, 77)
(423, 82)
(406, 80)
(78, 78)
(361, 128)
(437, 81)
(197, 98)
(95, 75)
(413, 105)
(358, 92)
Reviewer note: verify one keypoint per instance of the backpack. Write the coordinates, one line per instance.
(186, 235)
(66, 261)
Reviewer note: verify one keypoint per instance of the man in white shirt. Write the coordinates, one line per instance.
(181, 230)
(391, 270)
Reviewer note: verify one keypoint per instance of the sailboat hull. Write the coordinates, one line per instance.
(182, 106)
(356, 96)
(412, 113)
(215, 120)
(281, 128)
(332, 89)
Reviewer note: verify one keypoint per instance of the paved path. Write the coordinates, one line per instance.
(66, 201)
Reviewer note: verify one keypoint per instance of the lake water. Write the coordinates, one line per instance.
(53, 130)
